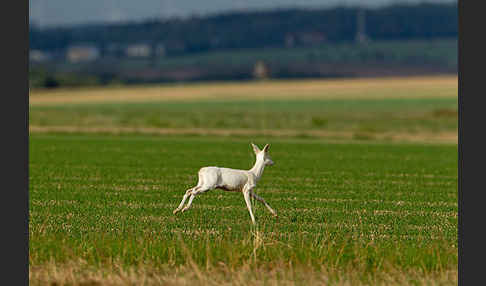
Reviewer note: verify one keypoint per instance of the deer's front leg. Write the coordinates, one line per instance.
(246, 195)
(260, 199)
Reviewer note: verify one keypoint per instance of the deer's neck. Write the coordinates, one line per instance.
(257, 169)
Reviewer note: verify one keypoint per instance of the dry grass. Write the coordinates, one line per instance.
(418, 137)
(79, 273)
(71, 275)
(403, 87)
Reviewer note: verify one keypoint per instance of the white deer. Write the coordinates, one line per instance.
(231, 180)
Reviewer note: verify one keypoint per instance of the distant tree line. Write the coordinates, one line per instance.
(239, 30)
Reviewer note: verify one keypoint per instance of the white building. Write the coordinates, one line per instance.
(82, 53)
(38, 56)
(138, 50)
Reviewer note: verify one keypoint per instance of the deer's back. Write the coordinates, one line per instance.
(224, 178)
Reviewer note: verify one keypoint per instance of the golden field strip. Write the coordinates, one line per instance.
(363, 88)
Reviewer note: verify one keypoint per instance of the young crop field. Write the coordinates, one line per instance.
(364, 183)
(373, 209)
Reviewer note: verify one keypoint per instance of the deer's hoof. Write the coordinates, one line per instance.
(175, 211)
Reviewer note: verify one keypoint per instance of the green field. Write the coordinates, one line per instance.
(365, 184)
(418, 109)
(373, 208)
(380, 115)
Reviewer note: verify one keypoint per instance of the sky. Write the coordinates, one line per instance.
(50, 13)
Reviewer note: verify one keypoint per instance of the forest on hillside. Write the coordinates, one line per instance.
(240, 30)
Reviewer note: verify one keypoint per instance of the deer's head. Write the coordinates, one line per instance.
(262, 155)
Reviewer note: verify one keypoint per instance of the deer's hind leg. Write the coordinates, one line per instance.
(194, 193)
(206, 182)
(188, 193)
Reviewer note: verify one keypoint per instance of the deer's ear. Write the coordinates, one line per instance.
(266, 148)
(255, 148)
